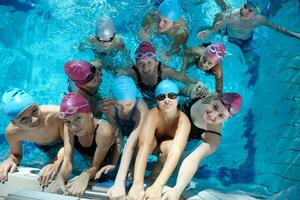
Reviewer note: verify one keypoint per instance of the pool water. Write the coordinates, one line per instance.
(260, 146)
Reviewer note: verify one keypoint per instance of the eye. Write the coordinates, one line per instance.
(221, 116)
(77, 119)
(215, 107)
(209, 63)
(24, 119)
(34, 112)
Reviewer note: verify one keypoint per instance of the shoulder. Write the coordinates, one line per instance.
(13, 133)
(142, 105)
(184, 119)
(104, 131)
(119, 41)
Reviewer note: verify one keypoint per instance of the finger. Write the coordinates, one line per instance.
(13, 168)
(99, 173)
(5, 174)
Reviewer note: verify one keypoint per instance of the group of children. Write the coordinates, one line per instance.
(153, 123)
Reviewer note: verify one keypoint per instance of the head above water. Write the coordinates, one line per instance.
(72, 104)
(231, 101)
(165, 87)
(105, 29)
(170, 9)
(215, 51)
(144, 51)
(124, 89)
(81, 72)
(14, 101)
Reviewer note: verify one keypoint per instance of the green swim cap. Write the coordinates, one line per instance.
(14, 101)
(124, 88)
(165, 87)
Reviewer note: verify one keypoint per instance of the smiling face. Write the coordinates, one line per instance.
(206, 63)
(78, 123)
(215, 113)
(125, 106)
(146, 66)
(30, 118)
(164, 24)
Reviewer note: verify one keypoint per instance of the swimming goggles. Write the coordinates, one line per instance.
(170, 95)
(106, 40)
(90, 77)
(140, 56)
(71, 111)
(231, 109)
(214, 50)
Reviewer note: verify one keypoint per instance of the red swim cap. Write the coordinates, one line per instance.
(79, 71)
(215, 51)
(73, 103)
(144, 48)
(231, 101)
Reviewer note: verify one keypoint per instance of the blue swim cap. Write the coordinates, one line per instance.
(170, 9)
(124, 88)
(166, 86)
(15, 101)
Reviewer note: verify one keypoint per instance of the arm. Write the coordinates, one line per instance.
(222, 4)
(178, 145)
(190, 52)
(262, 20)
(180, 39)
(216, 27)
(14, 156)
(219, 78)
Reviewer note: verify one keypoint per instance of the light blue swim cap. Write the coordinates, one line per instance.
(15, 101)
(259, 6)
(124, 88)
(166, 86)
(170, 9)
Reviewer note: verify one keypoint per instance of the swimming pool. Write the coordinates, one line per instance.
(260, 147)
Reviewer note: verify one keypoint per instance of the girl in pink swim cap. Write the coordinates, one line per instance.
(206, 116)
(90, 136)
(207, 57)
(85, 79)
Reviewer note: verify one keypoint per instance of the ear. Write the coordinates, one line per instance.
(91, 115)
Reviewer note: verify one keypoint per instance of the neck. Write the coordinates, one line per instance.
(170, 115)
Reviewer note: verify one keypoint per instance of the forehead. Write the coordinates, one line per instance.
(125, 102)
(28, 109)
(72, 117)
(165, 19)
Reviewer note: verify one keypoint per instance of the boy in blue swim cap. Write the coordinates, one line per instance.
(166, 20)
(165, 129)
(106, 43)
(127, 115)
(239, 25)
(29, 122)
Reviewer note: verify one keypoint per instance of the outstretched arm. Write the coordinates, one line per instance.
(168, 72)
(217, 26)
(222, 4)
(277, 28)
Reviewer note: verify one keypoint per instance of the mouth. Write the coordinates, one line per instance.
(77, 131)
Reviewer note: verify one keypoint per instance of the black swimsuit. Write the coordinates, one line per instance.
(87, 151)
(147, 91)
(196, 132)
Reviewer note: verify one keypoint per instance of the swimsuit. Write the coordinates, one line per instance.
(148, 92)
(196, 132)
(87, 151)
(126, 125)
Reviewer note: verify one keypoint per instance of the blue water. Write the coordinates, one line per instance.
(260, 146)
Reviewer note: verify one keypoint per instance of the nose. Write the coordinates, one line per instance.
(214, 115)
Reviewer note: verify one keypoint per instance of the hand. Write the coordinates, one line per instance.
(7, 166)
(78, 185)
(58, 185)
(203, 34)
(105, 105)
(117, 191)
(144, 35)
(199, 90)
(136, 192)
(47, 174)
(106, 169)
(153, 192)
(171, 194)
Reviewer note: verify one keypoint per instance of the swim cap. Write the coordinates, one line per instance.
(73, 103)
(124, 88)
(170, 9)
(215, 51)
(144, 48)
(255, 6)
(79, 71)
(231, 101)
(14, 101)
(165, 87)
(105, 28)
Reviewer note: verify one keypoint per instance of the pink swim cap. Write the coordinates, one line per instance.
(145, 50)
(73, 103)
(80, 72)
(215, 51)
(231, 101)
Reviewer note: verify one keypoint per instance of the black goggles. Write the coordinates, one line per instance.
(162, 97)
(106, 40)
(90, 77)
